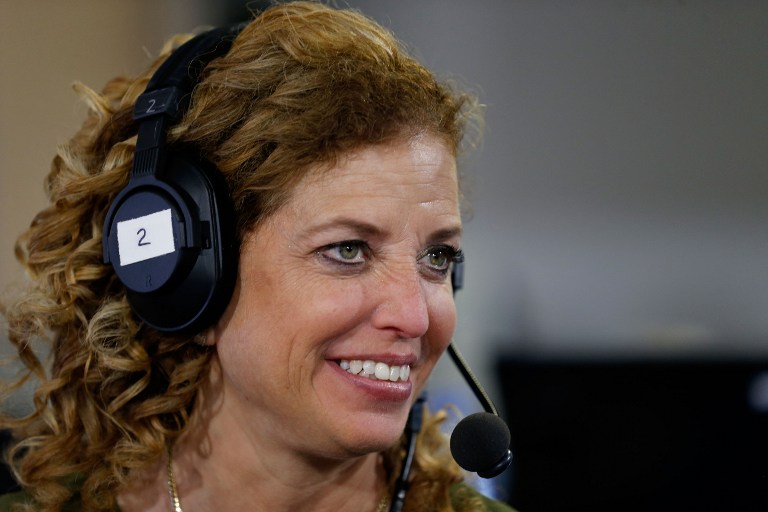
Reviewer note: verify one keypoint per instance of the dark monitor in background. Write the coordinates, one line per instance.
(637, 436)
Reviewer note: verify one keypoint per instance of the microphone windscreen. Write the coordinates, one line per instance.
(480, 441)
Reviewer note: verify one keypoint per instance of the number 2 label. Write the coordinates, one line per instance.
(145, 237)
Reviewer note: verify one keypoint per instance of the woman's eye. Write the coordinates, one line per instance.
(439, 259)
(350, 252)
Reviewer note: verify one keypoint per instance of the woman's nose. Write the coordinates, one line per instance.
(402, 304)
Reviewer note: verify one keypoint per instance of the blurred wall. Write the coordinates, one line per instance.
(620, 196)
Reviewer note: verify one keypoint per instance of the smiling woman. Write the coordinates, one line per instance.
(277, 282)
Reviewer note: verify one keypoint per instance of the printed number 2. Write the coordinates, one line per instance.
(143, 234)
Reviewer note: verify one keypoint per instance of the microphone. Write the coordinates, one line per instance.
(480, 442)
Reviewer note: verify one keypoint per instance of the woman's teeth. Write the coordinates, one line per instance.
(374, 370)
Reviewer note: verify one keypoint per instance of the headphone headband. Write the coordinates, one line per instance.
(183, 67)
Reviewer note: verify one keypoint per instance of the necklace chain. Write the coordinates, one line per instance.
(172, 490)
(176, 503)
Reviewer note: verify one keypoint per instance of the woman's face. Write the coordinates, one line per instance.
(354, 271)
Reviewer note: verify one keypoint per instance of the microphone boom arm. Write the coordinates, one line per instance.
(473, 382)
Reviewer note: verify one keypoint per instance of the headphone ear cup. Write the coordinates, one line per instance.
(188, 288)
(199, 296)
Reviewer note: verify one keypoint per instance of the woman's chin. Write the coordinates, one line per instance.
(375, 435)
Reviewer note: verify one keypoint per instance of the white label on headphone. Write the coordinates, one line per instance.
(145, 237)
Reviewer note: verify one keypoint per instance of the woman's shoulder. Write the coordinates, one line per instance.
(7, 502)
(13, 498)
(462, 493)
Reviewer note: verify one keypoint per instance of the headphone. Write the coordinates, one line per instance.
(170, 233)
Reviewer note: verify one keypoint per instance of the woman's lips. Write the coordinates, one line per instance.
(382, 389)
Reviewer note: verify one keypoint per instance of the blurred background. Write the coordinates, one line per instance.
(616, 293)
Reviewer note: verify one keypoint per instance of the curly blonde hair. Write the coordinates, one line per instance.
(302, 84)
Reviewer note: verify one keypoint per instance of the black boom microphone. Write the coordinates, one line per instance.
(480, 442)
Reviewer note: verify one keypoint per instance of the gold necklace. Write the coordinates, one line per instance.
(176, 503)
(172, 490)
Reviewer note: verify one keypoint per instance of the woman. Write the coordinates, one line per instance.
(339, 154)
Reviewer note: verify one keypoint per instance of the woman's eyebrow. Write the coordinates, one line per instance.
(367, 230)
(361, 228)
(444, 234)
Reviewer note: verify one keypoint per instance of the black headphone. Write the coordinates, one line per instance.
(170, 233)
